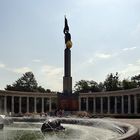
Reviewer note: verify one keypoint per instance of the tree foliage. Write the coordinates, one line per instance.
(81, 86)
(136, 79)
(26, 83)
(112, 82)
(127, 84)
(86, 86)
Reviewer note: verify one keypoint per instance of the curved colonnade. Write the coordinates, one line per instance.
(111, 103)
(123, 102)
(14, 102)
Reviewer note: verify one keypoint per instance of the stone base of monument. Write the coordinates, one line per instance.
(68, 102)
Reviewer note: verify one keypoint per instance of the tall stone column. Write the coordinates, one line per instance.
(108, 104)
(5, 105)
(50, 104)
(122, 104)
(135, 104)
(42, 104)
(67, 79)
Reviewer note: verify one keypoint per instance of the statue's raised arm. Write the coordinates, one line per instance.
(67, 34)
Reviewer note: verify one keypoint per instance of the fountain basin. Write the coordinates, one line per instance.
(76, 128)
(126, 131)
(1, 122)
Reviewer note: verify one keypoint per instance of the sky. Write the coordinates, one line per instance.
(105, 36)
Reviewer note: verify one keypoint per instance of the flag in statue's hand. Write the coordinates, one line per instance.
(66, 28)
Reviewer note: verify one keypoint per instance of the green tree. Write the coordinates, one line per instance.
(48, 91)
(40, 89)
(112, 82)
(87, 86)
(26, 83)
(94, 86)
(101, 86)
(136, 79)
(82, 86)
(127, 84)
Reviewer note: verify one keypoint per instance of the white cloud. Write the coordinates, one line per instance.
(22, 70)
(136, 32)
(2, 65)
(102, 55)
(130, 70)
(37, 60)
(138, 61)
(52, 76)
(51, 70)
(91, 61)
(97, 2)
(95, 58)
(129, 49)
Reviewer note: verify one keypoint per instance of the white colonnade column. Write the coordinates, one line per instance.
(35, 111)
(42, 104)
(27, 105)
(79, 104)
(50, 104)
(101, 105)
(122, 104)
(108, 104)
(135, 104)
(129, 104)
(87, 104)
(94, 105)
(12, 105)
(115, 107)
(20, 104)
(5, 105)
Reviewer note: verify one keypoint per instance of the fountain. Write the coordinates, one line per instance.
(51, 125)
(75, 128)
